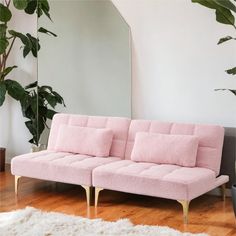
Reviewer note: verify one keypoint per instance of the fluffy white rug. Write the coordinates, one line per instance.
(33, 222)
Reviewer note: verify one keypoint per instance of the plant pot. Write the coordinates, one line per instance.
(2, 159)
(234, 197)
(35, 148)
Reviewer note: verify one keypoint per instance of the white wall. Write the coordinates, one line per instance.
(177, 64)
(13, 133)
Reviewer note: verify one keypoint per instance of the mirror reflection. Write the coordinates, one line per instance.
(89, 62)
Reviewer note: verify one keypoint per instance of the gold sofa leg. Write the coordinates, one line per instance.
(17, 178)
(185, 205)
(97, 191)
(223, 191)
(89, 194)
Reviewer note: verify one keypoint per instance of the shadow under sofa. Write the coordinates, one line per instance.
(117, 171)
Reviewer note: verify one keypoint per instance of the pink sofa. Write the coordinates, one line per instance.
(118, 172)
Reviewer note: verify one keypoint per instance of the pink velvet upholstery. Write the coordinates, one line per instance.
(165, 149)
(113, 172)
(119, 127)
(84, 140)
(167, 181)
(58, 166)
(210, 139)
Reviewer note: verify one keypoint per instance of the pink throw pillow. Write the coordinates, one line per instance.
(165, 149)
(84, 140)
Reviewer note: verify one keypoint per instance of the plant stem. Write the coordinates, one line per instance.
(0, 63)
(8, 4)
(3, 61)
(9, 50)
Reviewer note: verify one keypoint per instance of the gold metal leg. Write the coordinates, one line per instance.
(97, 191)
(17, 183)
(89, 194)
(223, 191)
(185, 205)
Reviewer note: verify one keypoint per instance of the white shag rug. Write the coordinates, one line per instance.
(34, 222)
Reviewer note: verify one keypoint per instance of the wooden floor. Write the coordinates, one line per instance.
(208, 214)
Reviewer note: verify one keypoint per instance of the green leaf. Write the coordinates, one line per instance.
(35, 44)
(5, 13)
(40, 6)
(224, 16)
(51, 100)
(43, 5)
(2, 92)
(3, 29)
(26, 51)
(231, 71)
(31, 7)
(14, 89)
(7, 71)
(32, 85)
(46, 12)
(20, 4)
(226, 4)
(59, 98)
(21, 36)
(3, 45)
(50, 113)
(24, 39)
(3, 40)
(41, 125)
(231, 90)
(45, 88)
(45, 31)
(39, 12)
(42, 110)
(41, 99)
(32, 141)
(31, 44)
(32, 127)
(25, 105)
(227, 38)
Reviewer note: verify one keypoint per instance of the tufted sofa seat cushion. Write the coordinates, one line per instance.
(159, 180)
(58, 166)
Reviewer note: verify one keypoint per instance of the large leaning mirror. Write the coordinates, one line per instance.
(89, 62)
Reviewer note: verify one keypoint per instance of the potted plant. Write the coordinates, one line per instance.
(37, 102)
(224, 10)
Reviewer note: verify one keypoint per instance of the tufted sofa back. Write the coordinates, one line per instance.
(210, 139)
(119, 126)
